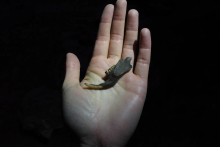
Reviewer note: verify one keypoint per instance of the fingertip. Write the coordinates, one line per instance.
(145, 38)
(72, 69)
(145, 31)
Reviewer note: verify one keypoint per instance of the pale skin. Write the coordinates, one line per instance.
(108, 118)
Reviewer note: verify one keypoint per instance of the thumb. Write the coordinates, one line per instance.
(72, 70)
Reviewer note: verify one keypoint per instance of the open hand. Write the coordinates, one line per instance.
(108, 117)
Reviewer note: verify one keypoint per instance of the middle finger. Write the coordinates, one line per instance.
(117, 30)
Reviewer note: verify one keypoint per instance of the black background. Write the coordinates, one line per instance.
(36, 35)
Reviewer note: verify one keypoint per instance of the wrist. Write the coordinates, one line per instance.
(94, 142)
(94, 145)
(86, 145)
(89, 143)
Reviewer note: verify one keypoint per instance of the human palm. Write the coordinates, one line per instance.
(108, 117)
